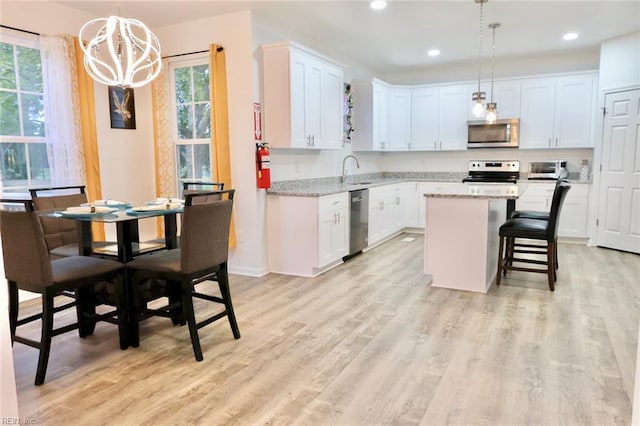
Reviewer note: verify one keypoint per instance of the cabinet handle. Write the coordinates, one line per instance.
(409, 146)
(381, 205)
(549, 142)
(440, 145)
(308, 140)
(435, 144)
(556, 141)
(313, 140)
(382, 144)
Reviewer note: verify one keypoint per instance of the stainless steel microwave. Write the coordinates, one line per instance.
(501, 134)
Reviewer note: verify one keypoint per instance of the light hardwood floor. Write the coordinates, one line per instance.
(368, 343)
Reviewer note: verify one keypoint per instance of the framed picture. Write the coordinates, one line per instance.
(122, 108)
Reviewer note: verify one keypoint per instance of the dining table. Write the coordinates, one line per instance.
(126, 219)
(127, 245)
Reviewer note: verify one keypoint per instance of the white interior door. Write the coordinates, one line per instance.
(619, 201)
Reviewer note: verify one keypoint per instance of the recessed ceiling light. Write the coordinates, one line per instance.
(433, 52)
(378, 4)
(570, 36)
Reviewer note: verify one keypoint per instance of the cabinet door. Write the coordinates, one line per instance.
(452, 123)
(399, 119)
(424, 119)
(536, 113)
(326, 221)
(332, 107)
(537, 197)
(313, 102)
(380, 132)
(299, 135)
(573, 216)
(573, 111)
(507, 95)
(340, 234)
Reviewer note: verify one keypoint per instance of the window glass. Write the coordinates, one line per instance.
(24, 153)
(192, 120)
(7, 70)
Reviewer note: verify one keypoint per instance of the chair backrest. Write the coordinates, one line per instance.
(199, 187)
(205, 231)
(24, 250)
(559, 194)
(58, 232)
(16, 204)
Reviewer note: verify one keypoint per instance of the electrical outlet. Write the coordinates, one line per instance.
(296, 167)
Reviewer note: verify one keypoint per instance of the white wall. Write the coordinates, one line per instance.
(234, 33)
(620, 63)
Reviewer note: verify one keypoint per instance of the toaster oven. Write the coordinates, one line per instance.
(550, 169)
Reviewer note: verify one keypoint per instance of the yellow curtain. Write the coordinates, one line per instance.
(164, 148)
(220, 124)
(87, 113)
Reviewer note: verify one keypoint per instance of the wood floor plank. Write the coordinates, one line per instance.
(366, 343)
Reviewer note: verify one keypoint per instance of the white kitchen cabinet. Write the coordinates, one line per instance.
(333, 228)
(573, 216)
(380, 124)
(438, 117)
(399, 119)
(303, 93)
(307, 235)
(557, 112)
(372, 115)
(507, 95)
(386, 211)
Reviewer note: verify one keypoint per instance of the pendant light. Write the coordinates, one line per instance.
(120, 52)
(479, 97)
(492, 107)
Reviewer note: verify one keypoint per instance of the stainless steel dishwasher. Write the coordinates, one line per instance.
(359, 225)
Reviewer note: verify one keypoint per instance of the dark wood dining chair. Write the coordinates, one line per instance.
(202, 257)
(28, 266)
(546, 231)
(195, 187)
(535, 214)
(61, 235)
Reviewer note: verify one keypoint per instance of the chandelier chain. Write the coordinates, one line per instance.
(480, 41)
(493, 57)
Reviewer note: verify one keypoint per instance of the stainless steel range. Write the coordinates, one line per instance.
(495, 172)
(507, 171)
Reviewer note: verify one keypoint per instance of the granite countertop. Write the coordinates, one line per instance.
(318, 187)
(332, 185)
(478, 191)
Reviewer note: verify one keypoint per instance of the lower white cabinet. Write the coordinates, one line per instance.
(573, 216)
(307, 235)
(386, 211)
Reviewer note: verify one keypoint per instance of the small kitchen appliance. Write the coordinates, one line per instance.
(549, 170)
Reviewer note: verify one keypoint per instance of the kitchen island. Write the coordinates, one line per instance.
(461, 234)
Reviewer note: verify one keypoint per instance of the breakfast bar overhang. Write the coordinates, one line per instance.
(461, 234)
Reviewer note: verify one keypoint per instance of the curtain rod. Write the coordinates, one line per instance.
(19, 29)
(219, 49)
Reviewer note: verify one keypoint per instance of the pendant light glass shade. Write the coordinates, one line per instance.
(479, 97)
(120, 52)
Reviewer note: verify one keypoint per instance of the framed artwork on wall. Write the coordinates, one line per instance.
(122, 108)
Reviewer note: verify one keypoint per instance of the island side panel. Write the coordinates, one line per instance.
(460, 241)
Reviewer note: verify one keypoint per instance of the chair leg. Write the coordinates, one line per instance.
(551, 269)
(13, 308)
(499, 261)
(85, 302)
(189, 315)
(47, 333)
(556, 254)
(133, 308)
(223, 283)
(173, 294)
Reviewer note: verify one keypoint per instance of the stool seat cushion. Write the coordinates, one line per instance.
(530, 214)
(525, 228)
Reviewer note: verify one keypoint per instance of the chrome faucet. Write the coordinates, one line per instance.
(344, 163)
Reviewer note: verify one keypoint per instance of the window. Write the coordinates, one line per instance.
(192, 120)
(24, 159)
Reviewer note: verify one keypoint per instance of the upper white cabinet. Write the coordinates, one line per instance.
(303, 93)
(380, 123)
(557, 112)
(439, 118)
(505, 93)
(400, 119)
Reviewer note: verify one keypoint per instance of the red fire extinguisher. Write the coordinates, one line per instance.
(263, 172)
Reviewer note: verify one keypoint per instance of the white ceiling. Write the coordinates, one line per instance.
(396, 39)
